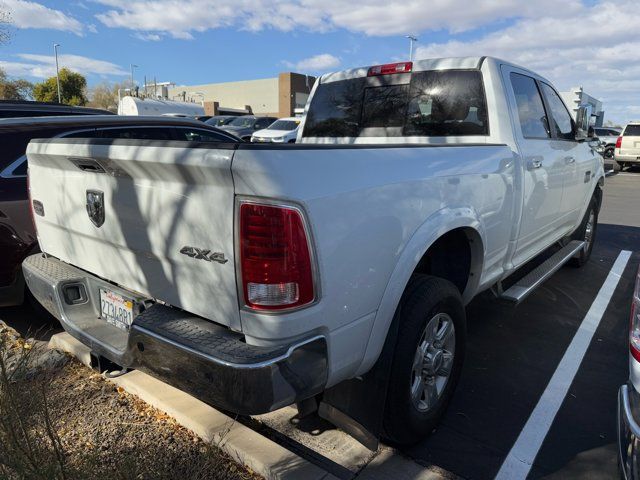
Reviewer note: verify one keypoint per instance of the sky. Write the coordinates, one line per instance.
(594, 44)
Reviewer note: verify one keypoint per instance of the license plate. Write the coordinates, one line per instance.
(115, 309)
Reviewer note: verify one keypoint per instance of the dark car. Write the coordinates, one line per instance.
(220, 120)
(245, 125)
(17, 234)
(14, 109)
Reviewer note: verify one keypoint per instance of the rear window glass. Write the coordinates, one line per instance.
(632, 130)
(432, 103)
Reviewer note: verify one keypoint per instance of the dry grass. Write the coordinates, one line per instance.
(60, 420)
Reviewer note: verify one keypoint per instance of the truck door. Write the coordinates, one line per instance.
(543, 169)
(578, 158)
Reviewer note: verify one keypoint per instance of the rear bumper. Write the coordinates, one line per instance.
(629, 431)
(204, 359)
(627, 158)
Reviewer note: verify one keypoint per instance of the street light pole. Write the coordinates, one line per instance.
(55, 51)
(412, 38)
(132, 84)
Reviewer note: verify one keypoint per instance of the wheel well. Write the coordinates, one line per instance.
(454, 257)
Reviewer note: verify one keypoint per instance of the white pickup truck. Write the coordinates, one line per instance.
(335, 270)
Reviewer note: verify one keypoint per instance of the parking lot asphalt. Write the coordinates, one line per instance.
(513, 352)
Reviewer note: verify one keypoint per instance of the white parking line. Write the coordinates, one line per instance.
(523, 453)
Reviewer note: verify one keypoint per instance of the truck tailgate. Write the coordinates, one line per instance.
(168, 208)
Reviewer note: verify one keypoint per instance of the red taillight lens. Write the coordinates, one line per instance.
(390, 68)
(619, 142)
(275, 259)
(634, 327)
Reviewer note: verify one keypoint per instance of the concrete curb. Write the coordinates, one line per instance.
(247, 447)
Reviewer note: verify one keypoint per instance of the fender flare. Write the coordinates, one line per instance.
(438, 224)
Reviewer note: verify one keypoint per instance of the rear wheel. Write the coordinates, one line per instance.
(608, 153)
(622, 165)
(427, 360)
(586, 232)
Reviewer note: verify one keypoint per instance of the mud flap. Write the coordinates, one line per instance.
(357, 405)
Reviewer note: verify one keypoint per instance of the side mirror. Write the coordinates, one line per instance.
(582, 123)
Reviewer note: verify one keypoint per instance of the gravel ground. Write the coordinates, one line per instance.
(106, 433)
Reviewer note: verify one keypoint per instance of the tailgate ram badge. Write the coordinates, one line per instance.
(95, 207)
(203, 254)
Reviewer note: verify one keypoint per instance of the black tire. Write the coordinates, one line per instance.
(608, 153)
(622, 165)
(425, 297)
(581, 234)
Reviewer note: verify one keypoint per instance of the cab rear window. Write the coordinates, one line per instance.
(632, 131)
(431, 103)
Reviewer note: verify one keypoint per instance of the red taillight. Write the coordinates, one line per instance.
(275, 260)
(390, 68)
(619, 142)
(634, 324)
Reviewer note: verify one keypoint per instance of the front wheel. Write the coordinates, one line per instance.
(586, 232)
(427, 359)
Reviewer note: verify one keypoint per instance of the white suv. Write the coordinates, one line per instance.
(627, 151)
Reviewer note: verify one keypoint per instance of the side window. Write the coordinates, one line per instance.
(531, 113)
(134, 133)
(21, 169)
(561, 122)
(195, 135)
(81, 134)
(14, 145)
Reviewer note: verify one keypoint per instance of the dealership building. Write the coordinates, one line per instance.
(577, 97)
(279, 96)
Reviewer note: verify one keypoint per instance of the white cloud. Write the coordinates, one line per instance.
(570, 50)
(26, 14)
(316, 63)
(44, 66)
(148, 37)
(181, 19)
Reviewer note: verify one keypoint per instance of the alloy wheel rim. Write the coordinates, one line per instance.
(433, 362)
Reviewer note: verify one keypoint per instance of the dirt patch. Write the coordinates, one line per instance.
(77, 425)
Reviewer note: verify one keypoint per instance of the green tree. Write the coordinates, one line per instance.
(72, 88)
(14, 89)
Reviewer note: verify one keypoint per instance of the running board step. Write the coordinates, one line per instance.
(532, 280)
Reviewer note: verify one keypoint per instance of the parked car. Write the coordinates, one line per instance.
(283, 130)
(629, 398)
(627, 150)
(17, 234)
(220, 120)
(246, 125)
(16, 108)
(203, 118)
(607, 137)
(340, 265)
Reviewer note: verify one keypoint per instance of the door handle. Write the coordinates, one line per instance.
(534, 164)
(569, 160)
